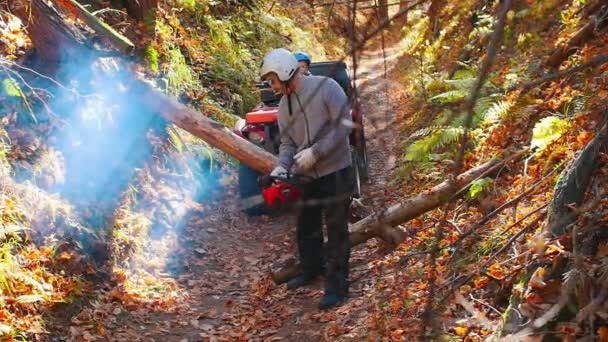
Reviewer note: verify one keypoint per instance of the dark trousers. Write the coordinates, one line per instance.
(329, 197)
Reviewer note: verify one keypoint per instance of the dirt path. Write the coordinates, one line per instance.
(224, 268)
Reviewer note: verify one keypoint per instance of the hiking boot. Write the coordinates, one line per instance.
(301, 280)
(331, 300)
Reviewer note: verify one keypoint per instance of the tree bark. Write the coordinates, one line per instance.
(382, 10)
(53, 38)
(569, 190)
(118, 41)
(572, 184)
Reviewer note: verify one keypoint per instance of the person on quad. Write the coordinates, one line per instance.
(314, 124)
(304, 62)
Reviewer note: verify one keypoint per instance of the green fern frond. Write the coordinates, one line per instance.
(423, 132)
(484, 104)
(547, 130)
(439, 138)
(499, 110)
(450, 96)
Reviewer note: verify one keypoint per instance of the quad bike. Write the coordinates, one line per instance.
(261, 128)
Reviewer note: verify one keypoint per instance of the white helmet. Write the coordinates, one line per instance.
(281, 62)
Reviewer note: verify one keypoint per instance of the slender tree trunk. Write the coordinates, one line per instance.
(434, 11)
(402, 21)
(382, 10)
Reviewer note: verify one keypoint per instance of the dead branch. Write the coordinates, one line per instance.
(118, 41)
(508, 204)
(526, 86)
(586, 33)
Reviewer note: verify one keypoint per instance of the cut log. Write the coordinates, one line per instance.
(216, 134)
(56, 40)
(382, 224)
(53, 38)
(118, 41)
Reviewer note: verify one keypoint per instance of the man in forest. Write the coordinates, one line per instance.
(314, 124)
(304, 61)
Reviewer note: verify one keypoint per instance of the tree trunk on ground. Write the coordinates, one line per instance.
(572, 185)
(382, 224)
(569, 190)
(50, 31)
(139, 9)
(201, 126)
(53, 38)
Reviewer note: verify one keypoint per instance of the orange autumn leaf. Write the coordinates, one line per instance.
(496, 272)
(397, 334)
(421, 285)
(481, 282)
(534, 298)
(461, 331)
(416, 223)
(584, 137)
(603, 334)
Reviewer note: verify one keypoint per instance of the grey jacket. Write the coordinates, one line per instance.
(320, 118)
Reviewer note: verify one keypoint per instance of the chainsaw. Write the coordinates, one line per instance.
(278, 192)
(281, 192)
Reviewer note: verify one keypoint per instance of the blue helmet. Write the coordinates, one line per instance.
(302, 57)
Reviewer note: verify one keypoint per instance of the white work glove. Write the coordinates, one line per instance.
(305, 159)
(279, 171)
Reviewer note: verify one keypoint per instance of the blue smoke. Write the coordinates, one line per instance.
(104, 140)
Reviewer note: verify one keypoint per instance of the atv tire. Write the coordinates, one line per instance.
(248, 187)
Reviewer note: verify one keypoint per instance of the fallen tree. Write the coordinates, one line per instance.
(50, 30)
(382, 224)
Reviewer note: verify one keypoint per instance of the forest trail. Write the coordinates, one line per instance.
(225, 256)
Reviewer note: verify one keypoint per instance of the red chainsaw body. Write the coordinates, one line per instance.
(279, 195)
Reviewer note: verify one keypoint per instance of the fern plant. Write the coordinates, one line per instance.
(437, 139)
(448, 128)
